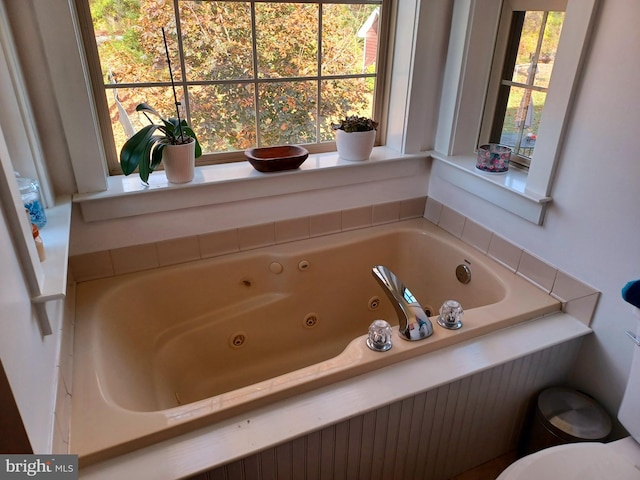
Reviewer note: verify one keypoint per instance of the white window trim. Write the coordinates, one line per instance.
(20, 150)
(467, 73)
(69, 73)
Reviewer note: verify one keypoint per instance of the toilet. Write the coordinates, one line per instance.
(618, 460)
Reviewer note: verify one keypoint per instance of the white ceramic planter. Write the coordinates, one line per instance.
(355, 146)
(180, 162)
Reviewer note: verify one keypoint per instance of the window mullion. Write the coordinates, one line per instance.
(509, 83)
(319, 73)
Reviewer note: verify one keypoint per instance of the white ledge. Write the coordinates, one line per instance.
(127, 196)
(55, 236)
(508, 191)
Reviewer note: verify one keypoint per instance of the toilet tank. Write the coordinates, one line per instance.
(629, 413)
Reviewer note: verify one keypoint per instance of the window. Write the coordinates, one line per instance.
(475, 42)
(520, 88)
(247, 73)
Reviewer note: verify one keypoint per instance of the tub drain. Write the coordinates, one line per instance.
(237, 339)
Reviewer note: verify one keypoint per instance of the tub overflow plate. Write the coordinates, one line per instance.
(463, 273)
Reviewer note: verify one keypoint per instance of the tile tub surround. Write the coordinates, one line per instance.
(166, 347)
(117, 261)
(578, 299)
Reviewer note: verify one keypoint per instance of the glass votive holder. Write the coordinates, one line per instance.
(379, 338)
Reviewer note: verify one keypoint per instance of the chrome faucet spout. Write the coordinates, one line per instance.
(414, 324)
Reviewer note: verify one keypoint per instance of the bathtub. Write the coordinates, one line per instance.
(163, 352)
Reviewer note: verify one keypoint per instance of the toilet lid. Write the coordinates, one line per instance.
(577, 461)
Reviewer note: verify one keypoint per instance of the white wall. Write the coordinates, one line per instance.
(29, 359)
(592, 228)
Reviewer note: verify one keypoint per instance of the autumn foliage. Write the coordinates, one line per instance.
(287, 90)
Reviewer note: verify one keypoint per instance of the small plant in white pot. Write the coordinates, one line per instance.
(171, 142)
(355, 137)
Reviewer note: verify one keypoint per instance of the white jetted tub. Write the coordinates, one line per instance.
(162, 352)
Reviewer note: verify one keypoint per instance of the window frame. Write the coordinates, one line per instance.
(474, 35)
(100, 91)
(504, 42)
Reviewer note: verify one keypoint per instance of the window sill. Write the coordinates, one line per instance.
(55, 237)
(508, 191)
(217, 184)
(52, 284)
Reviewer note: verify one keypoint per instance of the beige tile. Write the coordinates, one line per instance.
(412, 208)
(325, 224)
(451, 221)
(537, 271)
(291, 230)
(90, 266)
(567, 288)
(386, 213)
(256, 236)
(504, 252)
(218, 243)
(134, 258)
(178, 250)
(583, 308)
(357, 218)
(476, 235)
(432, 210)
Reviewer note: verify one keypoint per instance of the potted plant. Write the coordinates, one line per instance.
(171, 142)
(355, 137)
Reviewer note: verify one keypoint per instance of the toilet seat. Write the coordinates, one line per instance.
(575, 461)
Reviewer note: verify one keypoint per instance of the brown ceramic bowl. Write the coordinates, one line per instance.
(276, 159)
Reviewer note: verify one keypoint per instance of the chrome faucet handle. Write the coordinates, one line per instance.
(379, 338)
(414, 323)
(450, 315)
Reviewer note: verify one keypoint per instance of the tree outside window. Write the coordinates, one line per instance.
(526, 74)
(248, 73)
